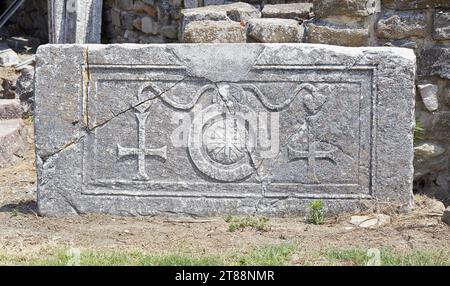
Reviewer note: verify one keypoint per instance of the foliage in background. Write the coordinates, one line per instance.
(418, 131)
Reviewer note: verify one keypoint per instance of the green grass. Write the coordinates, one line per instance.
(240, 223)
(269, 255)
(275, 255)
(109, 258)
(389, 257)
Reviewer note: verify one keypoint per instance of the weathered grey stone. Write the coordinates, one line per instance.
(429, 92)
(402, 44)
(322, 33)
(429, 158)
(401, 25)
(9, 88)
(170, 129)
(10, 109)
(236, 12)
(440, 126)
(170, 31)
(271, 30)
(346, 8)
(435, 61)
(447, 94)
(8, 57)
(25, 89)
(288, 11)
(115, 17)
(428, 150)
(416, 4)
(190, 4)
(214, 2)
(441, 25)
(446, 216)
(75, 21)
(214, 32)
(149, 25)
(125, 4)
(12, 141)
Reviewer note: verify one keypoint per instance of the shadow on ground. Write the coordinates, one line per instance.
(25, 207)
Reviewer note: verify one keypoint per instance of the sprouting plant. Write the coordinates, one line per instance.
(315, 212)
(14, 212)
(418, 131)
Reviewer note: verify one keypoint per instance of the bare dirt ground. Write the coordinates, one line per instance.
(23, 232)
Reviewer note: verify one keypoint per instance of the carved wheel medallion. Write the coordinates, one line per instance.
(225, 141)
(219, 145)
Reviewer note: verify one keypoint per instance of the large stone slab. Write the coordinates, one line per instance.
(204, 129)
(12, 141)
(75, 21)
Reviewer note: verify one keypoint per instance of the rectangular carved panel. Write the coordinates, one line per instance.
(210, 129)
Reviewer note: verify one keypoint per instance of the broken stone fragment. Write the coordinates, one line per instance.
(10, 109)
(170, 31)
(25, 89)
(441, 25)
(446, 216)
(214, 32)
(149, 25)
(12, 141)
(427, 150)
(401, 25)
(288, 11)
(271, 30)
(428, 92)
(435, 61)
(190, 4)
(416, 4)
(8, 57)
(370, 221)
(429, 158)
(9, 88)
(435, 206)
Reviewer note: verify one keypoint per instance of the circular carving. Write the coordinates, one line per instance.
(218, 145)
(225, 141)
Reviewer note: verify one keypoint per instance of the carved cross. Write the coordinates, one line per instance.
(311, 155)
(141, 152)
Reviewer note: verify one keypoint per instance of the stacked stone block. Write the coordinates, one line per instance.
(157, 21)
(424, 26)
(141, 21)
(30, 20)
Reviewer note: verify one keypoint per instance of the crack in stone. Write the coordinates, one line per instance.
(86, 131)
(134, 106)
(73, 142)
(224, 98)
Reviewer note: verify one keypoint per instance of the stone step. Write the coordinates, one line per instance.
(10, 109)
(12, 141)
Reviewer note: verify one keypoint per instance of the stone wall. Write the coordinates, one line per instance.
(154, 21)
(30, 20)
